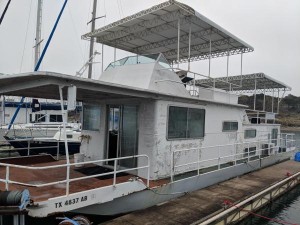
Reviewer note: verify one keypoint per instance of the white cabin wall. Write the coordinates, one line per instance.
(263, 135)
(214, 117)
(146, 140)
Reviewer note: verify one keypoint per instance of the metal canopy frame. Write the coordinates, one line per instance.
(171, 28)
(250, 83)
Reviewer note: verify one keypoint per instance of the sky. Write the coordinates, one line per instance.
(272, 27)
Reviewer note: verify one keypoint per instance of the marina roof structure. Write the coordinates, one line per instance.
(171, 28)
(249, 83)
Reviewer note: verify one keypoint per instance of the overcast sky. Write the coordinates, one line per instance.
(272, 27)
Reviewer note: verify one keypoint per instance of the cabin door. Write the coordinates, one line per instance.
(122, 134)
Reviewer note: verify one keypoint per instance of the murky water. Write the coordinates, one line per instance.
(285, 208)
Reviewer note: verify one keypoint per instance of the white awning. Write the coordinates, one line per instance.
(155, 30)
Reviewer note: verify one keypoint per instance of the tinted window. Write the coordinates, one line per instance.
(230, 126)
(185, 123)
(250, 133)
(91, 117)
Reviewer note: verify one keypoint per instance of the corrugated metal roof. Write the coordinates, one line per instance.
(247, 83)
(155, 30)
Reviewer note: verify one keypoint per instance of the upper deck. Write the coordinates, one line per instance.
(174, 29)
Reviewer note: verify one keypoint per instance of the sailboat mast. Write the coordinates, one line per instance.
(92, 39)
(38, 32)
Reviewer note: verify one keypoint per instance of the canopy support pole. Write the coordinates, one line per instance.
(264, 104)
(115, 54)
(102, 51)
(189, 61)
(227, 72)
(254, 103)
(178, 43)
(209, 60)
(278, 101)
(3, 110)
(273, 101)
(241, 83)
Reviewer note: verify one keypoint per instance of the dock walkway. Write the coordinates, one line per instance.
(201, 204)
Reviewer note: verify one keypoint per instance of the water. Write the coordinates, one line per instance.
(285, 208)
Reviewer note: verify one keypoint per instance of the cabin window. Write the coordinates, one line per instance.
(230, 126)
(185, 123)
(69, 136)
(56, 118)
(91, 117)
(274, 136)
(35, 118)
(250, 133)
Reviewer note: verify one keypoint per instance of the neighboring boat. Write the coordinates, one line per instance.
(45, 145)
(147, 137)
(32, 123)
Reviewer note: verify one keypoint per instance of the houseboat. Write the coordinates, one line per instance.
(149, 132)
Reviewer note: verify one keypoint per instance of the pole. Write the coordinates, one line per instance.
(254, 102)
(39, 62)
(38, 32)
(209, 60)
(102, 58)
(189, 62)
(3, 110)
(278, 101)
(92, 39)
(178, 42)
(63, 112)
(4, 12)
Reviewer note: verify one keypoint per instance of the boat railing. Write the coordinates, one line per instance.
(257, 116)
(7, 180)
(28, 148)
(286, 140)
(227, 155)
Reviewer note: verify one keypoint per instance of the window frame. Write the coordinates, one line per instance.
(230, 121)
(250, 130)
(186, 138)
(83, 116)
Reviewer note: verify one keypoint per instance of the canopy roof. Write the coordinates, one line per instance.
(46, 85)
(256, 82)
(155, 30)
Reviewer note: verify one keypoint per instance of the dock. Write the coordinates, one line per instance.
(222, 203)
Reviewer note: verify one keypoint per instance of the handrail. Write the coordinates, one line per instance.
(259, 152)
(68, 180)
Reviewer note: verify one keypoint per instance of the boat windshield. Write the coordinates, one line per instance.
(140, 59)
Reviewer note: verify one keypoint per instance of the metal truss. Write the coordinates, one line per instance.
(147, 23)
(207, 54)
(134, 34)
(250, 83)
